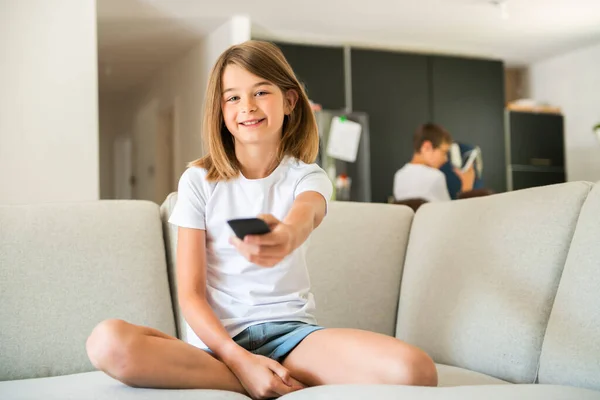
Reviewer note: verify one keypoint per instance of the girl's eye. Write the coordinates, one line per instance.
(261, 93)
(233, 98)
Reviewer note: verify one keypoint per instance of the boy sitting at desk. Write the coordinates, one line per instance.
(421, 177)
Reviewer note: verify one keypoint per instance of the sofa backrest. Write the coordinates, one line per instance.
(481, 275)
(170, 234)
(66, 267)
(354, 258)
(571, 350)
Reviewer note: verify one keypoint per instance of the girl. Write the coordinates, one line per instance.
(249, 301)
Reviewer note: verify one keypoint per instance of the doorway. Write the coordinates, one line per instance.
(165, 160)
(145, 161)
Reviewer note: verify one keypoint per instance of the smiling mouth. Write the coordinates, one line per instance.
(254, 122)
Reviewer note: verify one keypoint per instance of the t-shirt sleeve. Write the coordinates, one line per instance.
(439, 190)
(191, 201)
(397, 187)
(315, 180)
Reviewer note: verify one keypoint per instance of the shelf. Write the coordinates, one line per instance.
(533, 168)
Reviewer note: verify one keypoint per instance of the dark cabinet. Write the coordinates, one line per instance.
(400, 91)
(468, 100)
(392, 88)
(535, 142)
(536, 139)
(321, 70)
(528, 178)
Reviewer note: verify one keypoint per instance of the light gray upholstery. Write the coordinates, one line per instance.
(481, 275)
(489, 392)
(65, 268)
(355, 262)
(454, 376)
(478, 283)
(170, 234)
(99, 386)
(571, 351)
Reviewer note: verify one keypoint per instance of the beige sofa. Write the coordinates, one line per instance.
(502, 291)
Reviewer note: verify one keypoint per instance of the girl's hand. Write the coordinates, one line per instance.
(262, 377)
(269, 249)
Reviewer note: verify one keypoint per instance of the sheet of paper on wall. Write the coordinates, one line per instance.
(344, 137)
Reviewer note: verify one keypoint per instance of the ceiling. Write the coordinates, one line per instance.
(135, 40)
(138, 37)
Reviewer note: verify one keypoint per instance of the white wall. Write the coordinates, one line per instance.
(572, 82)
(48, 101)
(180, 85)
(183, 84)
(234, 31)
(113, 123)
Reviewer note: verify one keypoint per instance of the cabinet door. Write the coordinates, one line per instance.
(392, 88)
(468, 100)
(536, 139)
(321, 70)
(523, 179)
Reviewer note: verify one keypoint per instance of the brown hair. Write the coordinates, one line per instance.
(299, 138)
(431, 133)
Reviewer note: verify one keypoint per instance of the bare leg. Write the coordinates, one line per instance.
(347, 356)
(144, 357)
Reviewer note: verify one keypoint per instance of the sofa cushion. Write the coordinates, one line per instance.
(99, 386)
(170, 235)
(355, 260)
(490, 392)
(481, 274)
(454, 376)
(68, 266)
(571, 350)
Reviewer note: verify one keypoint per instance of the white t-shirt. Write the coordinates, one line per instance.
(242, 293)
(417, 181)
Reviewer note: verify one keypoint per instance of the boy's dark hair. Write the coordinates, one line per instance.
(432, 133)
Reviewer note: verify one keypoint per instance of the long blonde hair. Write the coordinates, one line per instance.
(299, 138)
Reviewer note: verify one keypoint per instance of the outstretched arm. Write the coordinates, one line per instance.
(267, 250)
(306, 215)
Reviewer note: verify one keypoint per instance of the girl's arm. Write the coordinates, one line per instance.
(260, 376)
(306, 215)
(267, 250)
(191, 291)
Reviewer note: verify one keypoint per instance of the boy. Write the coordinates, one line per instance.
(421, 178)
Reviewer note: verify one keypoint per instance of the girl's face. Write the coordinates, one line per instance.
(253, 108)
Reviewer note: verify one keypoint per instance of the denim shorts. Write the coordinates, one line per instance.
(274, 339)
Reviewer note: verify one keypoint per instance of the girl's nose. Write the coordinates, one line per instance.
(248, 105)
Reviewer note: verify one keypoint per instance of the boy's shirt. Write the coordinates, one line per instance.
(417, 181)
